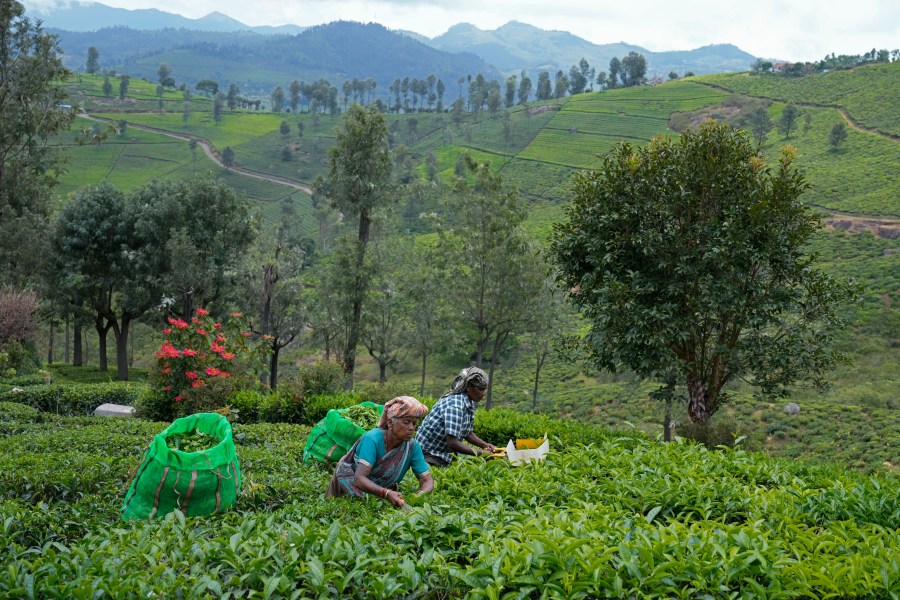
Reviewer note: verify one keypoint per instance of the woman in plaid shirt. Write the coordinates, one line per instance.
(452, 419)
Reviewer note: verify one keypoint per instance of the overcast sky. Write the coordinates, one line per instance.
(798, 30)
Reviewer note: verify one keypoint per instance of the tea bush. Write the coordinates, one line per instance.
(75, 399)
(603, 516)
(281, 408)
(316, 407)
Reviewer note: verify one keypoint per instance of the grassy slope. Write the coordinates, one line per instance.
(538, 152)
(867, 93)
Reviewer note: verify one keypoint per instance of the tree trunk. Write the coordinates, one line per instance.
(537, 376)
(187, 306)
(50, 343)
(698, 409)
(667, 421)
(78, 358)
(422, 384)
(353, 337)
(120, 333)
(102, 331)
(382, 372)
(66, 351)
(87, 349)
(498, 343)
(273, 366)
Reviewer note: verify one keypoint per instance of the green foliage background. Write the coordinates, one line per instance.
(545, 145)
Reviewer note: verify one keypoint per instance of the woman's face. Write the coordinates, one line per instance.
(403, 428)
(474, 392)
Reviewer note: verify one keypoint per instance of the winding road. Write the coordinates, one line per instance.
(211, 152)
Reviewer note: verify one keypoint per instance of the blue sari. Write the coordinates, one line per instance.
(387, 471)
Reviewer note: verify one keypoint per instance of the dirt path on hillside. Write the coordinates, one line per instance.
(883, 227)
(212, 153)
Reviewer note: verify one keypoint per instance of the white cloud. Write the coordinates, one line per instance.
(794, 30)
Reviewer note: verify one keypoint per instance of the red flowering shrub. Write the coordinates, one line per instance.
(202, 363)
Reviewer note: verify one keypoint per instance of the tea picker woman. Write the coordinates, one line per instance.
(452, 419)
(379, 460)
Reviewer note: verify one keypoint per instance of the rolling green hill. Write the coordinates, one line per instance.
(537, 148)
(867, 93)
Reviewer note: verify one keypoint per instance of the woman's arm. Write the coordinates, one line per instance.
(426, 484)
(455, 444)
(362, 481)
(474, 439)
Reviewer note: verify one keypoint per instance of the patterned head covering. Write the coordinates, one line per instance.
(400, 407)
(471, 376)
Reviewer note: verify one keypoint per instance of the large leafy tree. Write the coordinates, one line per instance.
(31, 112)
(634, 68)
(199, 231)
(100, 262)
(359, 182)
(493, 268)
(690, 256)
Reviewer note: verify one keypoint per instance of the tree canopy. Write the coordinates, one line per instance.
(32, 110)
(690, 255)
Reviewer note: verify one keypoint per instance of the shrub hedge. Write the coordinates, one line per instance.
(75, 399)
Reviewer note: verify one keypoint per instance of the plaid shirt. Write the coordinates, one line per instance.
(452, 415)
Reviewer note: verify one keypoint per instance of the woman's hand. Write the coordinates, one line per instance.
(490, 448)
(395, 498)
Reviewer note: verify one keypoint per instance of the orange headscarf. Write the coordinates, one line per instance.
(402, 406)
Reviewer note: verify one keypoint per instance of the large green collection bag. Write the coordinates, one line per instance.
(334, 435)
(196, 483)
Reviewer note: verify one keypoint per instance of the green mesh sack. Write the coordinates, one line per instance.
(320, 446)
(334, 435)
(197, 483)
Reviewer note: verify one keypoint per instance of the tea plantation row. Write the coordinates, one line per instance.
(605, 515)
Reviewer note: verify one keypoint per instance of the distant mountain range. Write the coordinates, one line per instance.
(219, 47)
(91, 16)
(516, 46)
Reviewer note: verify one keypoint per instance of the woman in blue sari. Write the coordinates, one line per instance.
(379, 460)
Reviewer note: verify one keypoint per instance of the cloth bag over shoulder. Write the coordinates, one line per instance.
(334, 435)
(197, 483)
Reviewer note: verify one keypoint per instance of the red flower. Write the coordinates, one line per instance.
(217, 348)
(196, 384)
(167, 330)
(195, 321)
(179, 398)
(220, 338)
(202, 311)
(217, 326)
(168, 388)
(246, 333)
(228, 355)
(171, 320)
(167, 350)
(188, 352)
(237, 315)
(224, 374)
(166, 371)
(201, 331)
(180, 324)
(191, 374)
(212, 371)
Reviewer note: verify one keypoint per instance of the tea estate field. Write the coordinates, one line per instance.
(606, 515)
